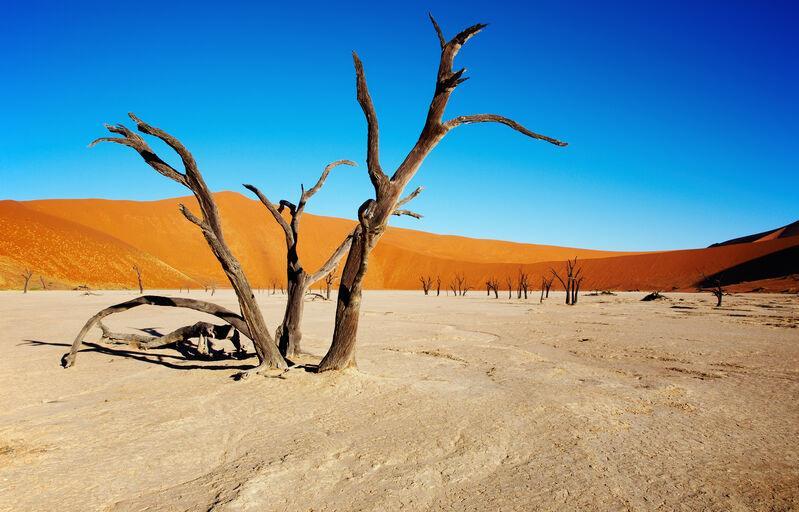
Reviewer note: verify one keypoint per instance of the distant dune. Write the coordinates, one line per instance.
(96, 242)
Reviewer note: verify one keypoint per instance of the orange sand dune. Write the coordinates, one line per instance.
(68, 254)
(96, 241)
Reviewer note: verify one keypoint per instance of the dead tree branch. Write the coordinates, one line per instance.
(211, 227)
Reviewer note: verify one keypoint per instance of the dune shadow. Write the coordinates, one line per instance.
(773, 265)
(147, 357)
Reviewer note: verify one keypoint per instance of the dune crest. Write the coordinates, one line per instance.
(95, 242)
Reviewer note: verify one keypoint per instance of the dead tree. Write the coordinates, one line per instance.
(138, 278)
(44, 283)
(524, 284)
(509, 282)
(26, 275)
(236, 320)
(493, 285)
(329, 280)
(548, 284)
(438, 286)
(713, 285)
(543, 287)
(427, 282)
(289, 333)
(373, 214)
(211, 227)
(571, 284)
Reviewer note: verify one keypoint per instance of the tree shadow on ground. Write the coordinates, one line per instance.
(146, 357)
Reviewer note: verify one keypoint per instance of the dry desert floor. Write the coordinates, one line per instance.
(457, 404)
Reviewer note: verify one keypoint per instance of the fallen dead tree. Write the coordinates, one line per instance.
(653, 296)
(233, 319)
(204, 332)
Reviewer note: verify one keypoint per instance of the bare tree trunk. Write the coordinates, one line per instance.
(373, 215)
(290, 332)
(211, 227)
(329, 280)
(44, 283)
(298, 280)
(341, 354)
(138, 278)
(26, 275)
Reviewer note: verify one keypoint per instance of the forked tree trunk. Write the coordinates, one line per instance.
(373, 214)
(297, 279)
(26, 275)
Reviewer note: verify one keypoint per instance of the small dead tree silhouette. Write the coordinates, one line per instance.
(329, 280)
(714, 286)
(137, 269)
(427, 282)
(26, 275)
(509, 282)
(572, 282)
(548, 285)
(524, 284)
(44, 283)
(438, 286)
(373, 215)
(299, 280)
(211, 227)
(492, 285)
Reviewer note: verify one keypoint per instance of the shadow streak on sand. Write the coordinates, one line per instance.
(145, 357)
(773, 265)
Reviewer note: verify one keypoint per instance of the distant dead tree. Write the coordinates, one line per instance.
(298, 280)
(329, 280)
(213, 289)
(427, 282)
(492, 285)
(210, 226)
(572, 282)
(373, 214)
(438, 286)
(459, 285)
(274, 286)
(26, 275)
(138, 278)
(509, 282)
(524, 284)
(548, 285)
(44, 283)
(713, 285)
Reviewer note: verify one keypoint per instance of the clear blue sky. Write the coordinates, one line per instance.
(682, 117)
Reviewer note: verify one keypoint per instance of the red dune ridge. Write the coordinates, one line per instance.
(96, 242)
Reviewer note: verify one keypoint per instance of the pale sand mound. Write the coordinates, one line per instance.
(459, 404)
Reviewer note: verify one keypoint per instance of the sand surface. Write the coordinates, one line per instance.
(458, 404)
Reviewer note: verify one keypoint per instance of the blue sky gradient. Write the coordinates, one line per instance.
(682, 117)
